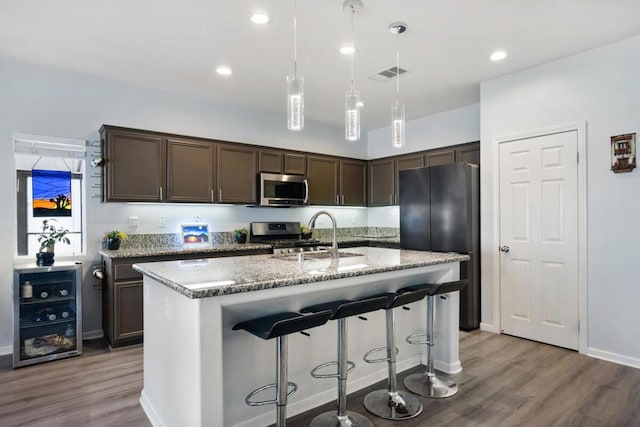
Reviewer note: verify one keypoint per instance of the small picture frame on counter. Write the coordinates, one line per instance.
(195, 235)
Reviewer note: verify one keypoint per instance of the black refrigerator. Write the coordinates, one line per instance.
(440, 212)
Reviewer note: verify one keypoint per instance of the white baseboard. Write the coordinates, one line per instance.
(634, 362)
(489, 328)
(447, 368)
(92, 335)
(306, 404)
(7, 349)
(152, 415)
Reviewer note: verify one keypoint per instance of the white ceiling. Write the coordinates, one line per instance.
(176, 45)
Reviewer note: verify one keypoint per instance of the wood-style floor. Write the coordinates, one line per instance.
(506, 381)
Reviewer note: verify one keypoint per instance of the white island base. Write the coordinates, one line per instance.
(197, 370)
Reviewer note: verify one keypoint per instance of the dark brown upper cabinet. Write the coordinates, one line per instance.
(469, 153)
(337, 182)
(270, 161)
(323, 176)
(440, 157)
(282, 162)
(135, 165)
(295, 164)
(353, 183)
(236, 166)
(190, 171)
(381, 182)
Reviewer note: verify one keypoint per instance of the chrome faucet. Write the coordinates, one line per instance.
(333, 250)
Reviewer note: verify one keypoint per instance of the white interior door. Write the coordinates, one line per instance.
(539, 238)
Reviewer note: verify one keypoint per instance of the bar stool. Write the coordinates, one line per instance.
(429, 384)
(278, 326)
(341, 311)
(393, 404)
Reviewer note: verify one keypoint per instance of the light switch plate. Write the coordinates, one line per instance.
(161, 222)
(133, 221)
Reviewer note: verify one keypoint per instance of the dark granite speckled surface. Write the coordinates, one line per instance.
(212, 277)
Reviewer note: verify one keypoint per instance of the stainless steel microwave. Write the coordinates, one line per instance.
(282, 190)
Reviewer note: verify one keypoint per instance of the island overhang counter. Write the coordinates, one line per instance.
(197, 370)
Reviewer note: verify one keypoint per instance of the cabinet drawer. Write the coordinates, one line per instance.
(125, 271)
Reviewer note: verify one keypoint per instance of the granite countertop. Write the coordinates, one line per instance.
(211, 277)
(179, 250)
(137, 252)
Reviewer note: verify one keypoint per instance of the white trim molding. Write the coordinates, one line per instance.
(634, 362)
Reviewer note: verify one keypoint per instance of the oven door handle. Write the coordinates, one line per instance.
(306, 192)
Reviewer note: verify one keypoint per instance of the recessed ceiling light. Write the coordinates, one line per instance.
(224, 70)
(498, 55)
(259, 18)
(347, 50)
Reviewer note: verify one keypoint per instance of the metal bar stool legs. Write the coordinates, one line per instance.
(279, 326)
(391, 404)
(429, 384)
(341, 311)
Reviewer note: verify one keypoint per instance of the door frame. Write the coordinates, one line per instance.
(580, 127)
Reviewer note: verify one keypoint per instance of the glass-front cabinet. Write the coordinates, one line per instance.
(47, 312)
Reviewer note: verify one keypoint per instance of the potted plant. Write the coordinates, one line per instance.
(114, 238)
(305, 233)
(47, 238)
(241, 234)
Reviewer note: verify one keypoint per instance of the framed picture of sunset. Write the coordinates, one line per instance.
(51, 193)
(195, 234)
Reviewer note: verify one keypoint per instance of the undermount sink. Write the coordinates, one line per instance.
(315, 255)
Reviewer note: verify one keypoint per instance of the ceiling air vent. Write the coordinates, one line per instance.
(387, 74)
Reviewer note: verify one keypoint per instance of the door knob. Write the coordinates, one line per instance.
(504, 248)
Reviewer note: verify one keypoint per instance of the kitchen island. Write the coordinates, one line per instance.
(197, 370)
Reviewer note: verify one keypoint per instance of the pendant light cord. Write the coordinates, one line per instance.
(353, 12)
(295, 38)
(398, 68)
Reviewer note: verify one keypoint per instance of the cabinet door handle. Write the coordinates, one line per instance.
(220, 195)
(343, 199)
(390, 199)
(160, 192)
(212, 196)
(337, 199)
(396, 198)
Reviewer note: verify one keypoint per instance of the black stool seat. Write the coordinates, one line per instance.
(348, 308)
(436, 288)
(284, 323)
(406, 297)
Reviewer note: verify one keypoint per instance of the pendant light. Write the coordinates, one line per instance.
(352, 98)
(295, 85)
(398, 123)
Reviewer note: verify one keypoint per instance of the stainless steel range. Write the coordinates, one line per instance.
(284, 237)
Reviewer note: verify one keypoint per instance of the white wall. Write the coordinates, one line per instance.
(47, 101)
(600, 87)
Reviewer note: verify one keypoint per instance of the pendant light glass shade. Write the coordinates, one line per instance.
(397, 125)
(295, 84)
(352, 115)
(295, 102)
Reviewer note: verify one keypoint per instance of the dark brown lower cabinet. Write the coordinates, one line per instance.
(128, 304)
(122, 295)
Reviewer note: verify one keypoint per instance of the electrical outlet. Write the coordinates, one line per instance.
(198, 218)
(133, 221)
(161, 222)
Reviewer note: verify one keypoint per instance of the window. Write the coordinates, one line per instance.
(56, 160)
